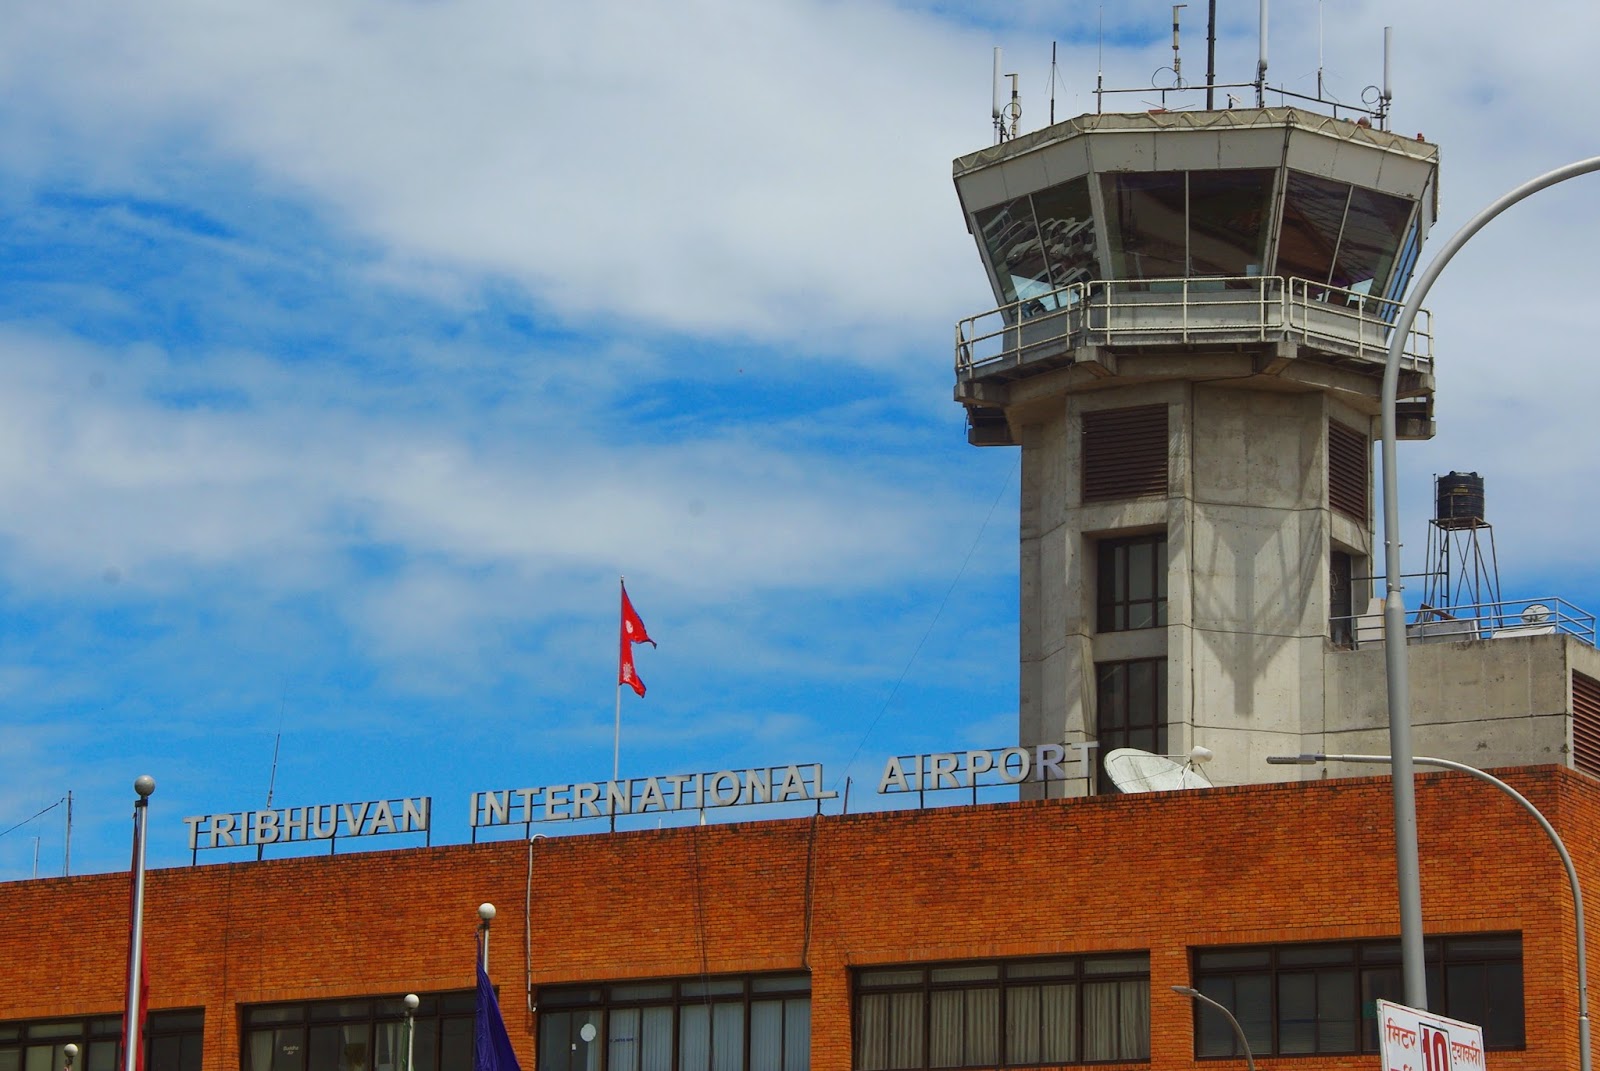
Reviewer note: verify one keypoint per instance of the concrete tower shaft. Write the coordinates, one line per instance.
(1194, 312)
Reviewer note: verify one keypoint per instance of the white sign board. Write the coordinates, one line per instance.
(1412, 1040)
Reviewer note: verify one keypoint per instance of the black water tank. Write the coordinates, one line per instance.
(1460, 500)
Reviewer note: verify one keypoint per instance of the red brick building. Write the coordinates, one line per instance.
(1041, 933)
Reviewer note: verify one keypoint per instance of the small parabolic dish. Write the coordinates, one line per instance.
(1132, 770)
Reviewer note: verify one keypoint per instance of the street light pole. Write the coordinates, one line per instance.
(1544, 823)
(411, 1002)
(1195, 994)
(1394, 612)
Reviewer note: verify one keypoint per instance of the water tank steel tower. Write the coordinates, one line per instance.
(1193, 312)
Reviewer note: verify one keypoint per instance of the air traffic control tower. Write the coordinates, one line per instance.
(1194, 309)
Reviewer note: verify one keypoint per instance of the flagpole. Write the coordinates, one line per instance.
(132, 1019)
(616, 739)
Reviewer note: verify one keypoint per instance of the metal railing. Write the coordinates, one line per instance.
(1541, 616)
(1254, 308)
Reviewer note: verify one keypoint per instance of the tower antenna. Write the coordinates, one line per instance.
(1261, 64)
(1211, 55)
(994, 110)
(1052, 83)
(1177, 60)
(1100, 66)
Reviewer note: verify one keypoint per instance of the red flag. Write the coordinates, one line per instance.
(632, 632)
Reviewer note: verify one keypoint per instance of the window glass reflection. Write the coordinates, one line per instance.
(1373, 227)
(1066, 225)
(1012, 240)
(1145, 225)
(1228, 221)
(1313, 214)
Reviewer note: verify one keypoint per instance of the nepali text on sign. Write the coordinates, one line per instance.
(649, 795)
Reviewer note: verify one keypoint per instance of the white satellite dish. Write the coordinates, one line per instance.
(1132, 770)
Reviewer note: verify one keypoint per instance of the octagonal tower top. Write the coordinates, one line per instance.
(1200, 195)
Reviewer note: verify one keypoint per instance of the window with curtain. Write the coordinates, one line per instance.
(172, 1042)
(1006, 1013)
(360, 1035)
(1319, 998)
(743, 1023)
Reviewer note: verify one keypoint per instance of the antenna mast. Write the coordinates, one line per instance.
(1261, 64)
(994, 110)
(1177, 60)
(1211, 55)
(1052, 83)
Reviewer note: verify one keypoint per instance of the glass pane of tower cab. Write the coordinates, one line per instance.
(1230, 278)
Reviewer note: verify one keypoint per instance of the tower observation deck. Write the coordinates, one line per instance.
(1271, 244)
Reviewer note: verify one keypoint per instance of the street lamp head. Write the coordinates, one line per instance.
(144, 786)
(411, 1002)
(71, 1050)
(1187, 991)
(1294, 760)
(1200, 754)
(486, 912)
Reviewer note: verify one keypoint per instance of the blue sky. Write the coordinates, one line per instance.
(348, 354)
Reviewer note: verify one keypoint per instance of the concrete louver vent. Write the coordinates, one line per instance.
(1349, 470)
(1586, 724)
(1125, 453)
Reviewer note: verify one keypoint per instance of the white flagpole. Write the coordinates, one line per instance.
(616, 739)
(131, 1021)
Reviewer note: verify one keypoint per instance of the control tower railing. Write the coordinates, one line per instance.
(1345, 324)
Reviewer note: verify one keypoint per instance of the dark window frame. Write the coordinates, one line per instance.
(1011, 977)
(1117, 723)
(1116, 609)
(434, 1018)
(1371, 970)
(99, 1039)
(596, 1001)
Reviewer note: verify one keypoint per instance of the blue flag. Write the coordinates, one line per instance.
(491, 1049)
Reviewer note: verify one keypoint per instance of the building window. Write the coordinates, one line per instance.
(1131, 588)
(1318, 998)
(1130, 708)
(172, 1043)
(759, 1023)
(1011, 1013)
(360, 1035)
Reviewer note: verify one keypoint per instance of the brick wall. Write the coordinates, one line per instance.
(1164, 872)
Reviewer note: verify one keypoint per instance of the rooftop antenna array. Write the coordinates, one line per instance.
(1373, 110)
(1007, 119)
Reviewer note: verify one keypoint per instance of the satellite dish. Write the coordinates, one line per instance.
(1132, 770)
(1535, 614)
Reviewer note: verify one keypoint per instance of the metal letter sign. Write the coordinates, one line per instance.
(1412, 1040)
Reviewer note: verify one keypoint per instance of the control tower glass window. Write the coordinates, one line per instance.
(1040, 244)
(1011, 237)
(1339, 234)
(1188, 224)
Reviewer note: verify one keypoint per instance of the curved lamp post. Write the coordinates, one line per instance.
(1544, 823)
(1195, 994)
(1394, 611)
